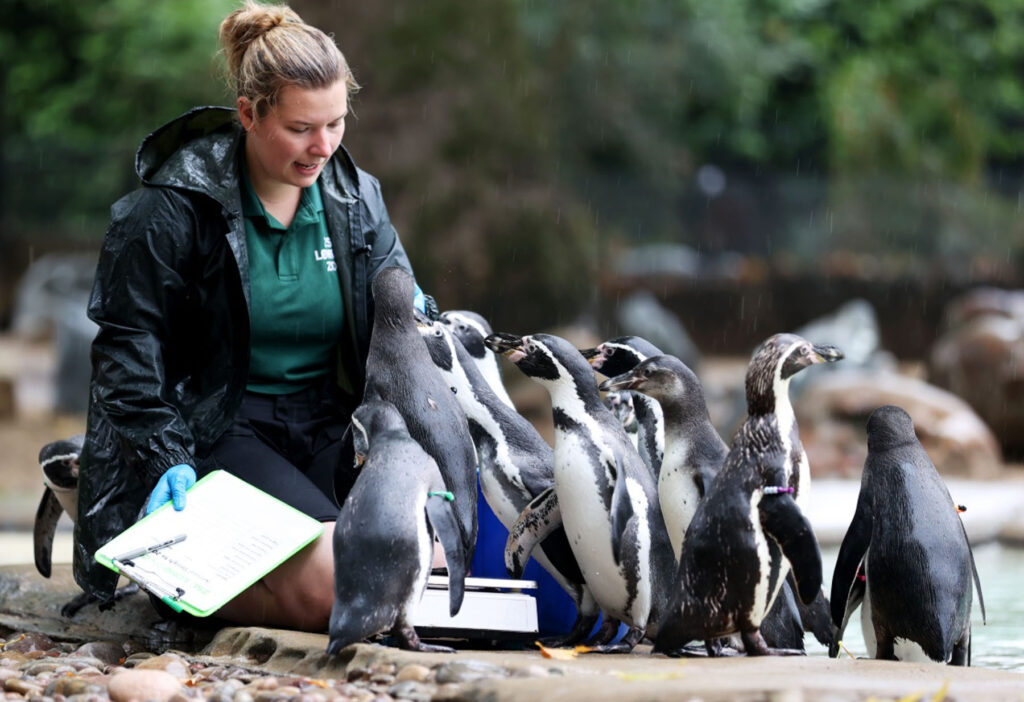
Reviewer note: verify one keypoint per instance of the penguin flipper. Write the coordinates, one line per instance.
(974, 570)
(851, 554)
(541, 517)
(442, 519)
(786, 524)
(621, 510)
(816, 616)
(47, 516)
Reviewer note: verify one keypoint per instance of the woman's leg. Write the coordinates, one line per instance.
(298, 594)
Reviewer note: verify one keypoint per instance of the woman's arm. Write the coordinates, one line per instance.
(139, 284)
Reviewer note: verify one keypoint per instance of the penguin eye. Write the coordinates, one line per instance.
(438, 332)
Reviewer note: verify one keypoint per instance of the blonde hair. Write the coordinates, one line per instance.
(269, 47)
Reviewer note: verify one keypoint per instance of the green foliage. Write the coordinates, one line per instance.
(82, 83)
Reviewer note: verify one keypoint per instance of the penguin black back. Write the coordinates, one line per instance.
(399, 370)
(918, 564)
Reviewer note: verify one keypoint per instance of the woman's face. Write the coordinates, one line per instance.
(292, 142)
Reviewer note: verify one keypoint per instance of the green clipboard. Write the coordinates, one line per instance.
(229, 535)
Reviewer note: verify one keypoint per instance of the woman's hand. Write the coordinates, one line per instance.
(172, 486)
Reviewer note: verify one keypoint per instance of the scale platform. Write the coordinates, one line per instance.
(492, 608)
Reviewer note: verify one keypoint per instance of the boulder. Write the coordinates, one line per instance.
(980, 358)
(832, 413)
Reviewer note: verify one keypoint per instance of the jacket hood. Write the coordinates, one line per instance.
(198, 151)
(194, 152)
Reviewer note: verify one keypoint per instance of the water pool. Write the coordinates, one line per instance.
(997, 644)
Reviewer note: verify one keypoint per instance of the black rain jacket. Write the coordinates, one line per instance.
(171, 298)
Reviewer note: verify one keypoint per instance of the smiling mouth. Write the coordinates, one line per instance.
(308, 166)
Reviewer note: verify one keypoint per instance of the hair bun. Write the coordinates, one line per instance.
(247, 24)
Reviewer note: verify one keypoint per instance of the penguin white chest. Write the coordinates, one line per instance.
(760, 600)
(587, 522)
(677, 492)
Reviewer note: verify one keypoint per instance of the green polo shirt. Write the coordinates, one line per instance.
(295, 309)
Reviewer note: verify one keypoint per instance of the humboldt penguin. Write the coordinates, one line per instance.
(907, 540)
(384, 534)
(617, 356)
(399, 370)
(59, 463)
(515, 468)
(471, 329)
(748, 530)
(694, 451)
(606, 497)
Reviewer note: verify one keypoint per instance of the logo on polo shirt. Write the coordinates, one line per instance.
(326, 254)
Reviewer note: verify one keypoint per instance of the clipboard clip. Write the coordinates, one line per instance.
(129, 556)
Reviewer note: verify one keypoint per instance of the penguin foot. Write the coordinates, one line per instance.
(626, 645)
(75, 605)
(580, 628)
(609, 628)
(408, 640)
(753, 643)
(786, 652)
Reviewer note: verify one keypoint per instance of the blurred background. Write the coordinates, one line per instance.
(705, 174)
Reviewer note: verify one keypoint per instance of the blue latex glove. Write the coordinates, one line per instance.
(419, 300)
(172, 486)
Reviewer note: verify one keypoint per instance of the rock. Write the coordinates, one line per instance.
(28, 643)
(411, 690)
(956, 439)
(136, 658)
(136, 684)
(468, 671)
(641, 314)
(980, 358)
(36, 667)
(109, 652)
(532, 671)
(76, 686)
(168, 662)
(80, 662)
(22, 687)
(414, 672)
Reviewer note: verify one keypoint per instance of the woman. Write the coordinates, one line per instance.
(233, 300)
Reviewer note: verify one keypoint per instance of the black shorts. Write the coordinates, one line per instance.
(297, 447)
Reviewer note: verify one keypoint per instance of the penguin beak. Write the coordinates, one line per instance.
(826, 353)
(360, 459)
(508, 345)
(595, 357)
(626, 381)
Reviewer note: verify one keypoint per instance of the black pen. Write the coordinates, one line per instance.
(130, 555)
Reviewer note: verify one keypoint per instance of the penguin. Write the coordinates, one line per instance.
(515, 468)
(617, 356)
(694, 451)
(606, 497)
(907, 540)
(384, 534)
(59, 463)
(471, 329)
(621, 405)
(399, 370)
(731, 565)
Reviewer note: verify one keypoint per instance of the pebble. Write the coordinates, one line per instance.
(468, 671)
(143, 685)
(414, 672)
(34, 668)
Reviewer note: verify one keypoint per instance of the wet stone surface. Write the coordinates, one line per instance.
(35, 667)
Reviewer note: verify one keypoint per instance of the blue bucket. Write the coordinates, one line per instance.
(556, 612)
